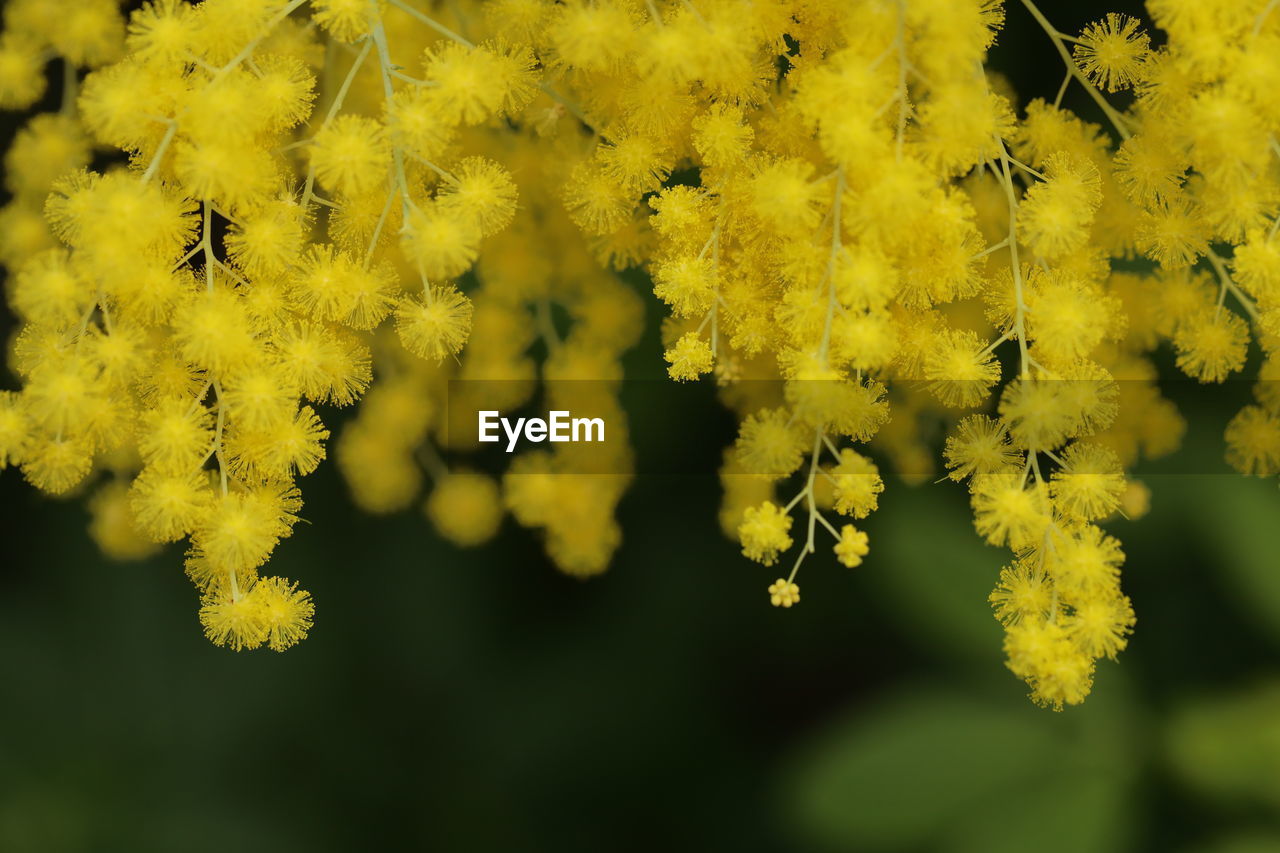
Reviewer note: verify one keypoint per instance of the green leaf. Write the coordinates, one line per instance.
(895, 776)
(1073, 812)
(1228, 747)
(1260, 841)
(1238, 516)
(963, 774)
(940, 573)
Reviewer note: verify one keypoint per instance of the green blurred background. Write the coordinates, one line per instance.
(481, 701)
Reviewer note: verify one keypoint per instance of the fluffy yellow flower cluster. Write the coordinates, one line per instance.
(850, 222)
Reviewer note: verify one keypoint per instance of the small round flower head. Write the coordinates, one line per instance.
(267, 239)
(1172, 232)
(635, 163)
(856, 484)
(1056, 213)
(466, 508)
(57, 464)
(1024, 592)
(259, 397)
(60, 394)
(1008, 513)
(595, 202)
(286, 90)
(1041, 652)
(852, 546)
(763, 533)
(236, 620)
(231, 173)
(351, 155)
(689, 358)
(472, 83)
(1038, 412)
(785, 198)
(1090, 482)
(330, 285)
(1211, 346)
(325, 364)
(978, 445)
(50, 292)
(1149, 168)
(231, 109)
(1113, 52)
(1068, 318)
(722, 136)
(1257, 266)
(212, 331)
(416, 123)
(346, 20)
(784, 593)
(24, 232)
(22, 79)
(592, 36)
(440, 243)
(770, 443)
(436, 325)
(1100, 626)
(89, 32)
(15, 429)
(480, 192)
(687, 284)
(289, 448)
(286, 611)
(961, 369)
(162, 30)
(168, 506)
(175, 435)
(112, 526)
(1135, 503)
(1253, 442)
(49, 147)
(1085, 563)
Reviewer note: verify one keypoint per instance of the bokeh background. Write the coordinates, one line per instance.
(480, 701)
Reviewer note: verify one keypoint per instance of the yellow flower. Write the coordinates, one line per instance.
(783, 593)
(852, 546)
(763, 533)
(1112, 52)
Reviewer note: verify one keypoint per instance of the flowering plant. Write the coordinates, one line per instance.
(834, 197)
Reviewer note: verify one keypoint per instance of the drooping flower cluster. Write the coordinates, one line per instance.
(852, 226)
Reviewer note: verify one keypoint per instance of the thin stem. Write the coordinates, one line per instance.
(217, 439)
(546, 328)
(1062, 90)
(1262, 18)
(1229, 286)
(248, 49)
(812, 503)
(831, 263)
(1019, 320)
(432, 461)
(1074, 70)
(70, 88)
(307, 191)
(154, 165)
(377, 231)
(995, 247)
(388, 92)
(432, 23)
(206, 245)
(900, 42)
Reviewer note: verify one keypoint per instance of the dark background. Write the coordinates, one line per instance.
(479, 700)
